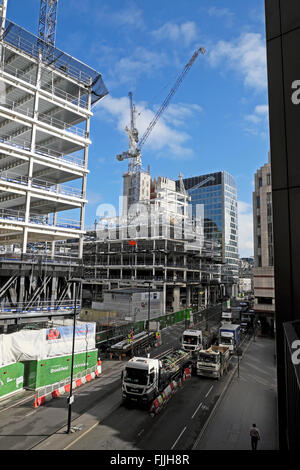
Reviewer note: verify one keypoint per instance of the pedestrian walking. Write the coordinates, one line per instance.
(255, 436)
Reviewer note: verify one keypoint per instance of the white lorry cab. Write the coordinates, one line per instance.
(192, 340)
(226, 316)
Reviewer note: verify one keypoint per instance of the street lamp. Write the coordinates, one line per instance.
(71, 398)
(149, 291)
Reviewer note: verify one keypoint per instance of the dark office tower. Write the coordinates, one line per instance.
(283, 44)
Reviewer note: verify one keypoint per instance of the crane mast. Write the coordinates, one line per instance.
(134, 151)
(47, 23)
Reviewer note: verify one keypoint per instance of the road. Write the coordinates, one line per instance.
(103, 423)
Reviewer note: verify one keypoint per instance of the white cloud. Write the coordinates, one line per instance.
(131, 16)
(167, 133)
(257, 122)
(186, 32)
(222, 13)
(141, 62)
(245, 219)
(219, 12)
(245, 55)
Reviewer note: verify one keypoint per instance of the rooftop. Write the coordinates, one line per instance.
(32, 45)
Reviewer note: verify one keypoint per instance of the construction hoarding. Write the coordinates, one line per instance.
(11, 378)
(56, 369)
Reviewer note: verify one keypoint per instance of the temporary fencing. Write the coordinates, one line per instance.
(45, 394)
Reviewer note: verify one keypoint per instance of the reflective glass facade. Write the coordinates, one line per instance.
(218, 194)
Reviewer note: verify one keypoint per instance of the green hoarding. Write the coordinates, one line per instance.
(55, 369)
(11, 378)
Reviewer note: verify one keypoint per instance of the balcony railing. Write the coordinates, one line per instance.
(61, 125)
(41, 150)
(53, 90)
(35, 258)
(52, 121)
(41, 184)
(37, 219)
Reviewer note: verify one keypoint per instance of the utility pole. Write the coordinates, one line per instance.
(76, 282)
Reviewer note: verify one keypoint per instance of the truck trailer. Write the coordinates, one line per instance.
(144, 378)
(229, 335)
(213, 362)
(133, 346)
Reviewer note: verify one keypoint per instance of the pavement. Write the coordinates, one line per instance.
(250, 397)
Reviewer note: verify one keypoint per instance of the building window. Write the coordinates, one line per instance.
(260, 182)
(258, 202)
(268, 179)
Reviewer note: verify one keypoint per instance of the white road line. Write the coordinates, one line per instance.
(178, 438)
(196, 410)
(81, 436)
(209, 391)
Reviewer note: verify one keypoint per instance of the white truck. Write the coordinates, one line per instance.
(226, 316)
(192, 340)
(213, 362)
(144, 378)
(229, 335)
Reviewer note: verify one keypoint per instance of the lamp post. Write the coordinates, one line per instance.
(71, 398)
(149, 291)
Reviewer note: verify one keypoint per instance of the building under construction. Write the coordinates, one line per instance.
(46, 97)
(157, 245)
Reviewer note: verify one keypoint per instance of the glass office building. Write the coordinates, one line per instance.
(218, 193)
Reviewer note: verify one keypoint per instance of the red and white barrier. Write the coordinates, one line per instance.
(38, 401)
(162, 399)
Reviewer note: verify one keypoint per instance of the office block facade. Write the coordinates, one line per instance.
(218, 195)
(263, 273)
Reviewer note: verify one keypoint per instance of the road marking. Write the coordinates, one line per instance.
(178, 438)
(31, 413)
(196, 410)
(141, 432)
(79, 437)
(209, 391)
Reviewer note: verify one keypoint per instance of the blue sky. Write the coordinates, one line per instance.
(218, 118)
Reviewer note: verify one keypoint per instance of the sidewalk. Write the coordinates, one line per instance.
(249, 398)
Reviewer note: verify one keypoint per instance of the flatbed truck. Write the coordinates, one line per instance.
(144, 378)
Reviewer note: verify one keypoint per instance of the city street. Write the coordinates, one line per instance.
(100, 419)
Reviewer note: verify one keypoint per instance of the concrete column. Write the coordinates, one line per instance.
(21, 289)
(54, 290)
(188, 296)
(164, 294)
(176, 299)
(205, 297)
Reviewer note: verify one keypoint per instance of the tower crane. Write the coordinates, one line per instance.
(135, 145)
(47, 22)
(198, 185)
